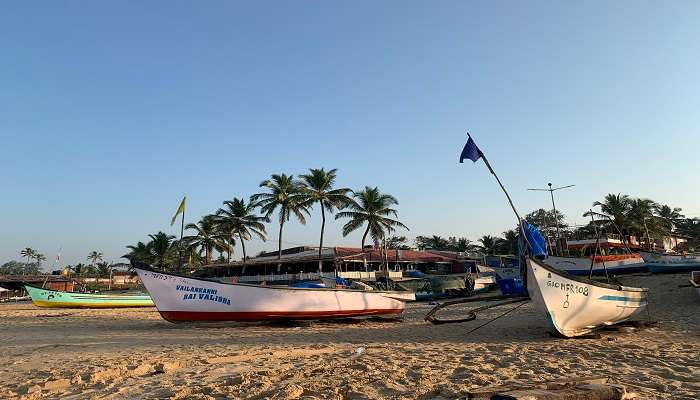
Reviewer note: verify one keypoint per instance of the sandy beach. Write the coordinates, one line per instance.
(133, 353)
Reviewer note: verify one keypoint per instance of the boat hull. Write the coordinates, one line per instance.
(180, 298)
(576, 306)
(581, 266)
(667, 263)
(695, 280)
(59, 299)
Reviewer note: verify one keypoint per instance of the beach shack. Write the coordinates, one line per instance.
(302, 263)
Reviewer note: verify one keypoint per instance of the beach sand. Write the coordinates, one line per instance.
(133, 353)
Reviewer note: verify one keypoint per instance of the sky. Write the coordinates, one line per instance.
(110, 112)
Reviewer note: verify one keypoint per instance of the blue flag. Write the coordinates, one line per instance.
(470, 151)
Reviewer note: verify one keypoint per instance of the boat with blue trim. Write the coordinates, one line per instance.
(670, 262)
(59, 299)
(576, 306)
(595, 257)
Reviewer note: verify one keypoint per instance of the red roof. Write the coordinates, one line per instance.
(356, 254)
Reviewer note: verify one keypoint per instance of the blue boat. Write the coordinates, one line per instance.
(667, 263)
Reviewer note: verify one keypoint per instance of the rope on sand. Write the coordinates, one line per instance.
(471, 314)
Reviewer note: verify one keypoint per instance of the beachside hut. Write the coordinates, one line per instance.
(15, 283)
(302, 262)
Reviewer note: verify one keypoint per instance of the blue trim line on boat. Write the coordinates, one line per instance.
(619, 298)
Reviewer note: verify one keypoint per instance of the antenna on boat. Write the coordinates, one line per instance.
(556, 219)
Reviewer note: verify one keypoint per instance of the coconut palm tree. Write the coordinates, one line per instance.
(207, 236)
(285, 193)
(640, 217)
(29, 253)
(239, 218)
(318, 185)
(39, 258)
(617, 207)
(509, 242)
(227, 245)
(162, 249)
(397, 243)
(94, 257)
(373, 208)
(489, 244)
(104, 269)
(141, 252)
(434, 242)
(670, 216)
(79, 269)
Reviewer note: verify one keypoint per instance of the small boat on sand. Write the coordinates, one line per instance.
(576, 306)
(59, 299)
(695, 280)
(605, 254)
(659, 263)
(183, 298)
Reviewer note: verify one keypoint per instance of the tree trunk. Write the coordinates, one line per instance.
(279, 239)
(365, 237)
(320, 244)
(242, 248)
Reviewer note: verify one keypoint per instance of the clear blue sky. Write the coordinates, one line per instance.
(109, 113)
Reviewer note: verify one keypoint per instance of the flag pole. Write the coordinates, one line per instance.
(512, 206)
(182, 232)
(510, 201)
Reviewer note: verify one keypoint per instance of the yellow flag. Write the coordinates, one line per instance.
(180, 210)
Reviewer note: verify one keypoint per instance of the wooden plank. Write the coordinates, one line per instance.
(593, 388)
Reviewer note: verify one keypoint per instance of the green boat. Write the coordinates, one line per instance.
(59, 299)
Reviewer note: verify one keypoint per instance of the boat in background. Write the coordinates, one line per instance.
(658, 262)
(612, 255)
(184, 298)
(59, 299)
(576, 306)
(695, 280)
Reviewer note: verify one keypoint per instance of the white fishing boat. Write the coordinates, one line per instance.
(574, 306)
(577, 306)
(658, 262)
(182, 298)
(609, 254)
(695, 280)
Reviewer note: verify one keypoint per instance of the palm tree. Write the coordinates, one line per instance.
(432, 242)
(397, 243)
(29, 253)
(318, 185)
(94, 257)
(161, 248)
(670, 218)
(141, 252)
(372, 207)
(104, 269)
(616, 206)
(640, 217)
(239, 218)
(79, 269)
(287, 194)
(227, 245)
(509, 243)
(206, 236)
(489, 244)
(39, 258)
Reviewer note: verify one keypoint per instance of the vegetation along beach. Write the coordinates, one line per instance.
(360, 200)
